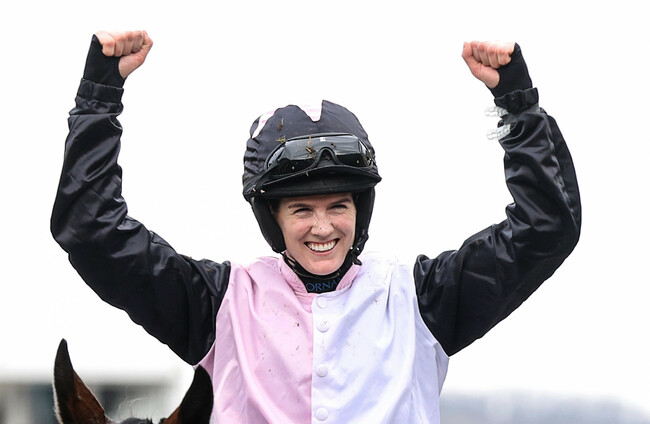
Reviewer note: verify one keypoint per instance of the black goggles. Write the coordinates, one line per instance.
(301, 153)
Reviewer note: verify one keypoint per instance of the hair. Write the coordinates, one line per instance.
(274, 204)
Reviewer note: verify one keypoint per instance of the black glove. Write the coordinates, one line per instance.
(513, 76)
(100, 68)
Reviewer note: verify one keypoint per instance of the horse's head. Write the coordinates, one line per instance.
(75, 403)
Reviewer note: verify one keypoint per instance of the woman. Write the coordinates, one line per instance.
(321, 333)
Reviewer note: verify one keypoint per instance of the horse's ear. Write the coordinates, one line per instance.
(196, 406)
(73, 401)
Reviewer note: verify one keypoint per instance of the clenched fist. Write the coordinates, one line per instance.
(131, 47)
(484, 58)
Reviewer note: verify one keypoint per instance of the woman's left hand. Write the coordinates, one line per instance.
(484, 58)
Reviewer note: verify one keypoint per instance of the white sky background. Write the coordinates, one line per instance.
(214, 69)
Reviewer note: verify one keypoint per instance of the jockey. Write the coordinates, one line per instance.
(323, 332)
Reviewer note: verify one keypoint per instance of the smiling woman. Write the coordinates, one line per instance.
(312, 159)
(318, 231)
(321, 332)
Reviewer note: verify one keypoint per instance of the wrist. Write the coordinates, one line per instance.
(518, 101)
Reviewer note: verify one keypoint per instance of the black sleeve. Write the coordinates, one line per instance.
(462, 294)
(175, 298)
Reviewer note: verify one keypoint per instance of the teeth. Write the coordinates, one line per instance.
(321, 247)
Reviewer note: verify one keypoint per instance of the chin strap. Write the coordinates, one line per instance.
(356, 249)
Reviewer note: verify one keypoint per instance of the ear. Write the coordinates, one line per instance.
(73, 401)
(196, 406)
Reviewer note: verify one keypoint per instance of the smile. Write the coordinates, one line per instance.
(321, 247)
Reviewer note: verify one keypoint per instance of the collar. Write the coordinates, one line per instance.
(319, 283)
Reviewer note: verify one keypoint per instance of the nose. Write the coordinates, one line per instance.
(322, 226)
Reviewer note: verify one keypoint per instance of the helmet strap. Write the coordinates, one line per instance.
(356, 249)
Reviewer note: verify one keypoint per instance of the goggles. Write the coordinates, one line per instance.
(301, 153)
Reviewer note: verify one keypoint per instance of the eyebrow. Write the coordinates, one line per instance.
(298, 204)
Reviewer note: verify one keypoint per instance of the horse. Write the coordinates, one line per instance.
(74, 403)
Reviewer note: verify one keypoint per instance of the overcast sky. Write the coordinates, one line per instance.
(214, 69)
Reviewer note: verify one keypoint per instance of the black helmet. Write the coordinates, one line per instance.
(298, 151)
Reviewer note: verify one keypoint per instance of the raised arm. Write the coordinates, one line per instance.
(464, 293)
(173, 297)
